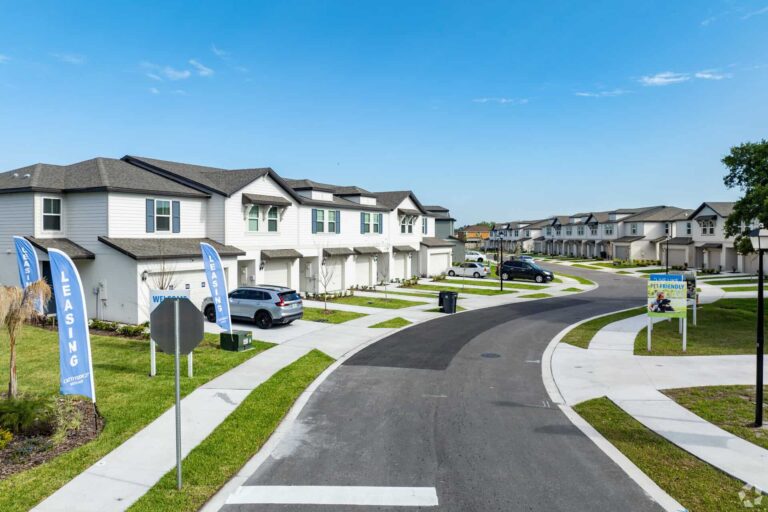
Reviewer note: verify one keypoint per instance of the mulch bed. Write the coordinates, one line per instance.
(23, 453)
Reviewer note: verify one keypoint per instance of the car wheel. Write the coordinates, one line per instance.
(539, 279)
(479, 260)
(504, 276)
(451, 273)
(210, 313)
(476, 275)
(263, 320)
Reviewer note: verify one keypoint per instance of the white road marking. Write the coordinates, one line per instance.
(434, 396)
(334, 495)
(537, 361)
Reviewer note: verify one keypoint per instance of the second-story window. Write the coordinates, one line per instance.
(366, 223)
(162, 215)
(568, 231)
(666, 228)
(331, 221)
(688, 229)
(377, 217)
(320, 224)
(253, 218)
(609, 229)
(549, 231)
(593, 230)
(527, 232)
(557, 231)
(708, 227)
(633, 229)
(51, 214)
(424, 225)
(406, 224)
(272, 220)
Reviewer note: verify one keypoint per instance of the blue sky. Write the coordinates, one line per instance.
(498, 110)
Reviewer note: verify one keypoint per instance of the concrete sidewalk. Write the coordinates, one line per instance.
(609, 368)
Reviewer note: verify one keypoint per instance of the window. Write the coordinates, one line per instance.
(517, 233)
(406, 223)
(424, 225)
(580, 230)
(162, 215)
(527, 232)
(320, 221)
(708, 227)
(688, 229)
(253, 218)
(272, 220)
(51, 214)
(549, 231)
(568, 231)
(366, 224)
(609, 229)
(557, 231)
(593, 230)
(666, 228)
(331, 221)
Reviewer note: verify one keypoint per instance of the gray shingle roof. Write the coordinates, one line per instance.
(659, 214)
(167, 248)
(96, 174)
(275, 254)
(403, 248)
(724, 209)
(265, 200)
(392, 199)
(65, 245)
(337, 251)
(368, 250)
(430, 241)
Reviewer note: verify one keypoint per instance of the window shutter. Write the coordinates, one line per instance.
(314, 220)
(176, 216)
(381, 222)
(362, 222)
(338, 221)
(150, 215)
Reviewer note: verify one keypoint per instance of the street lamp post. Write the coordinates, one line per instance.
(666, 258)
(759, 237)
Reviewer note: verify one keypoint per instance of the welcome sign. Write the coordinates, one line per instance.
(667, 296)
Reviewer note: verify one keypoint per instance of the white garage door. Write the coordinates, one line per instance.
(676, 256)
(364, 271)
(399, 271)
(277, 272)
(439, 263)
(332, 276)
(621, 252)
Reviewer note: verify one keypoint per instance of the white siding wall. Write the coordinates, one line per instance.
(86, 218)
(127, 216)
(17, 214)
(38, 217)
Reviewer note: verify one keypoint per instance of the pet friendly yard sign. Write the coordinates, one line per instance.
(667, 298)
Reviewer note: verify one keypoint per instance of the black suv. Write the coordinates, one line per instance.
(525, 270)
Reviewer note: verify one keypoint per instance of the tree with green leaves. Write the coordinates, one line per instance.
(747, 170)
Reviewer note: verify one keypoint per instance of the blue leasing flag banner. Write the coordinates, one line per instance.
(29, 269)
(75, 364)
(214, 272)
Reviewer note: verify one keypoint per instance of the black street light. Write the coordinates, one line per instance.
(759, 237)
(666, 258)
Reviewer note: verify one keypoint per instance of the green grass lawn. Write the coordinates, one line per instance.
(127, 398)
(472, 282)
(731, 408)
(438, 310)
(581, 335)
(725, 282)
(580, 280)
(392, 323)
(624, 272)
(695, 484)
(741, 288)
(376, 302)
(651, 271)
(472, 291)
(572, 289)
(333, 316)
(725, 327)
(588, 267)
(535, 296)
(494, 284)
(408, 294)
(718, 277)
(218, 458)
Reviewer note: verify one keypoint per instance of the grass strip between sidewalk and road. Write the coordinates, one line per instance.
(218, 458)
(332, 316)
(572, 289)
(376, 302)
(535, 296)
(579, 279)
(514, 284)
(438, 310)
(725, 327)
(581, 335)
(727, 282)
(736, 289)
(694, 483)
(472, 291)
(392, 323)
(731, 408)
(128, 398)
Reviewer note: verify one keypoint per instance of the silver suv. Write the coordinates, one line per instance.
(265, 304)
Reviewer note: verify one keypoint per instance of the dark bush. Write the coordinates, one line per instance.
(30, 416)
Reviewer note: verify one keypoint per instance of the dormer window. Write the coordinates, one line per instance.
(707, 227)
(406, 223)
(51, 214)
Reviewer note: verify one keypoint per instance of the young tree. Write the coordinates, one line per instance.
(17, 306)
(747, 170)
(325, 278)
(383, 278)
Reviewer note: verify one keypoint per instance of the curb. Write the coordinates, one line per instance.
(650, 487)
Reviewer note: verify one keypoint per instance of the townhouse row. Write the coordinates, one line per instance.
(135, 224)
(694, 238)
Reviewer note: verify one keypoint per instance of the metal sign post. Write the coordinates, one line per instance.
(177, 326)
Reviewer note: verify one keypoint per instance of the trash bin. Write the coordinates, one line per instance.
(237, 341)
(449, 302)
(440, 299)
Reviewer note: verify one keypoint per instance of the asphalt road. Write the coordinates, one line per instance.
(459, 404)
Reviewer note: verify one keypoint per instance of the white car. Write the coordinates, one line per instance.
(474, 256)
(468, 270)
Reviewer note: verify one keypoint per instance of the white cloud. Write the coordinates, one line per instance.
(4, 58)
(602, 94)
(201, 69)
(154, 90)
(664, 78)
(708, 21)
(153, 76)
(712, 74)
(758, 12)
(219, 52)
(176, 74)
(69, 58)
(180, 92)
(502, 101)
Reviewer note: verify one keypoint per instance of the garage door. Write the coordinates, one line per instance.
(621, 252)
(364, 271)
(332, 276)
(400, 262)
(676, 256)
(439, 263)
(277, 272)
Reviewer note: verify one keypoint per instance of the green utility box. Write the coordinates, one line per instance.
(237, 341)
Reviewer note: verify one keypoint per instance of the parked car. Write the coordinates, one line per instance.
(468, 270)
(527, 258)
(265, 305)
(474, 256)
(525, 270)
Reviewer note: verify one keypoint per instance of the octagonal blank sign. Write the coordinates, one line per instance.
(162, 325)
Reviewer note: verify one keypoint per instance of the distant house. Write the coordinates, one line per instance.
(445, 230)
(474, 237)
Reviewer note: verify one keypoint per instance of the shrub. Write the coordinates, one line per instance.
(31, 416)
(5, 438)
(101, 325)
(133, 331)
